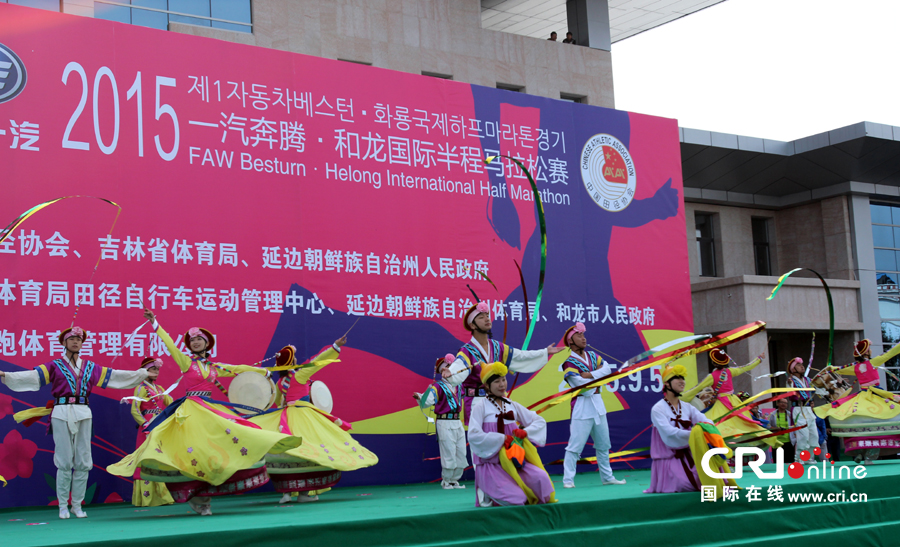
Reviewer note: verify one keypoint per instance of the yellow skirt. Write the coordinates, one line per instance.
(203, 444)
(871, 403)
(323, 442)
(736, 425)
(150, 494)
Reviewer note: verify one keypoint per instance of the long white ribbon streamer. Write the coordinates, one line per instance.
(125, 400)
(128, 341)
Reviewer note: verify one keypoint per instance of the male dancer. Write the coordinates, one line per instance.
(447, 402)
(466, 369)
(588, 410)
(801, 411)
(71, 380)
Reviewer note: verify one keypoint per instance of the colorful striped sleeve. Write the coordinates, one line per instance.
(43, 374)
(105, 375)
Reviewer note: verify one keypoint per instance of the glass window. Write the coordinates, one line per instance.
(882, 278)
(51, 5)
(883, 236)
(889, 307)
(890, 336)
(888, 258)
(159, 13)
(511, 87)
(573, 98)
(760, 228)
(120, 14)
(193, 7)
(881, 214)
(885, 259)
(232, 10)
(706, 245)
(147, 18)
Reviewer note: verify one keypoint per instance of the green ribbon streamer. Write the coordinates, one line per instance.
(781, 281)
(505, 318)
(543, 225)
(6, 232)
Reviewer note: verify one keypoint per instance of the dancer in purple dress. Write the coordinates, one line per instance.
(673, 468)
(508, 470)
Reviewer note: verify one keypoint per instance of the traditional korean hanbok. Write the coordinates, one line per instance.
(148, 402)
(447, 402)
(680, 439)
(867, 419)
(503, 474)
(71, 382)
(327, 449)
(720, 380)
(199, 446)
(673, 468)
(466, 369)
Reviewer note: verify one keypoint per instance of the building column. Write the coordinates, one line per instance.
(589, 23)
(864, 268)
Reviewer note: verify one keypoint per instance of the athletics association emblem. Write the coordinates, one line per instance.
(12, 74)
(608, 172)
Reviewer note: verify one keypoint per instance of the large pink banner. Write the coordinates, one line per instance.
(275, 198)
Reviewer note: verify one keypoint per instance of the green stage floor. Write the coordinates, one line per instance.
(424, 514)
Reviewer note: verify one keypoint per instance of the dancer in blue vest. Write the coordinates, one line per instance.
(588, 410)
(481, 349)
(71, 380)
(447, 402)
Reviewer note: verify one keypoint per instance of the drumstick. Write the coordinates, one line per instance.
(351, 326)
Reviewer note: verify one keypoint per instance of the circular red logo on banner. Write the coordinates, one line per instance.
(607, 171)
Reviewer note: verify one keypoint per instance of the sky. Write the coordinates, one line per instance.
(776, 69)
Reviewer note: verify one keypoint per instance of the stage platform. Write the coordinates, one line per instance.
(426, 515)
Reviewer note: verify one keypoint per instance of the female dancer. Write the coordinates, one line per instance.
(201, 447)
(327, 448)
(149, 400)
(720, 380)
(508, 470)
(866, 420)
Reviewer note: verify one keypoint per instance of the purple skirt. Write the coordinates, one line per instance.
(671, 470)
(496, 483)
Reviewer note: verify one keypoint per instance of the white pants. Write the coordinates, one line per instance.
(579, 430)
(452, 441)
(72, 452)
(808, 437)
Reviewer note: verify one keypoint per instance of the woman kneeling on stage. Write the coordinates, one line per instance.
(508, 470)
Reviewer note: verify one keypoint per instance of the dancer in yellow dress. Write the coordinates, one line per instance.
(148, 402)
(198, 446)
(871, 400)
(327, 448)
(720, 380)
(866, 420)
